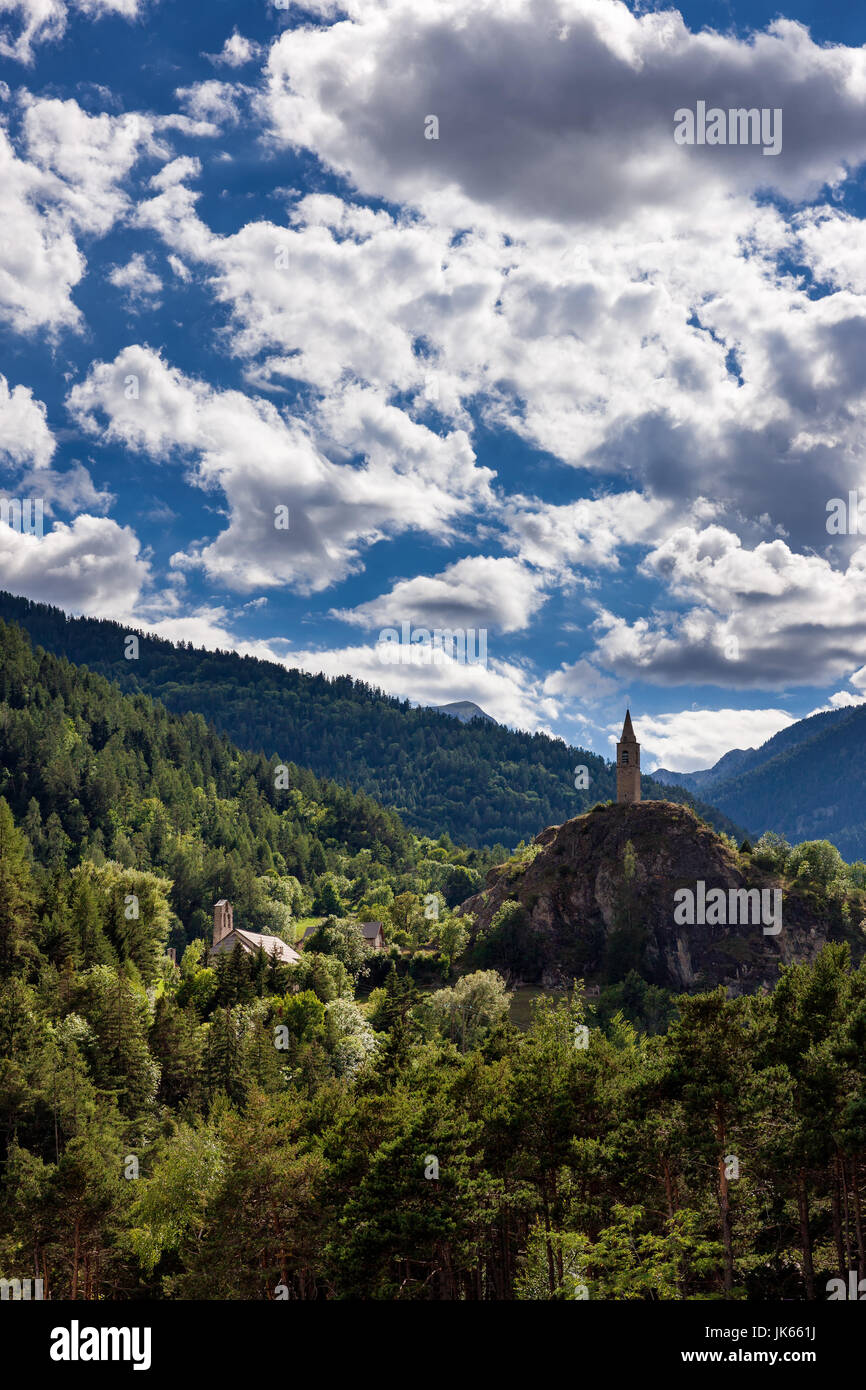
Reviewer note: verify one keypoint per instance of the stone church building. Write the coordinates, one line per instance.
(226, 936)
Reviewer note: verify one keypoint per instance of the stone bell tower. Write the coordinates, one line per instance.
(223, 922)
(628, 765)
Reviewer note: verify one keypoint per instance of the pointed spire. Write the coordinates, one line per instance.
(627, 730)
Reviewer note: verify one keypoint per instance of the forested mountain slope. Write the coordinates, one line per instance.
(809, 780)
(253, 1130)
(481, 782)
(92, 774)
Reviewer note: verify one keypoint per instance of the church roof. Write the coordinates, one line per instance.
(627, 730)
(268, 944)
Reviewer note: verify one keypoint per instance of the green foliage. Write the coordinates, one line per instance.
(343, 940)
(233, 1129)
(467, 1013)
(510, 943)
(771, 852)
(482, 782)
(817, 861)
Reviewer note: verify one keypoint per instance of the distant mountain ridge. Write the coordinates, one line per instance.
(478, 781)
(806, 782)
(727, 766)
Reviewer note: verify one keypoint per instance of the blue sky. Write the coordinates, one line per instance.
(549, 374)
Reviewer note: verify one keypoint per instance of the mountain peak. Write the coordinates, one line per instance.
(464, 710)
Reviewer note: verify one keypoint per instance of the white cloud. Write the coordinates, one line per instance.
(41, 21)
(181, 271)
(261, 460)
(833, 244)
(92, 566)
(236, 51)
(559, 109)
(505, 690)
(27, 447)
(24, 434)
(765, 617)
(691, 740)
(39, 261)
(478, 591)
(589, 351)
(89, 156)
(141, 286)
(68, 185)
(590, 532)
(581, 680)
(212, 101)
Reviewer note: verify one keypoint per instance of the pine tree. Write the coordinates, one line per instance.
(17, 892)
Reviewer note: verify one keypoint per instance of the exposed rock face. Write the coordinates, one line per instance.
(584, 916)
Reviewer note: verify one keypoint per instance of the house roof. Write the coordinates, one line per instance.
(268, 944)
(369, 930)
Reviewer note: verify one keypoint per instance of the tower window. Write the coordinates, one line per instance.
(624, 756)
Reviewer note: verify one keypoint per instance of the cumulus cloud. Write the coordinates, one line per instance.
(87, 155)
(24, 434)
(141, 287)
(478, 591)
(561, 109)
(212, 101)
(582, 680)
(296, 516)
(590, 532)
(592, 352)
(694, 739)
(842, 699)
(764, 618)
(92, 566)
(27, 448)
(64, 181)
(40, 21)
(39, 260)
(236, 51)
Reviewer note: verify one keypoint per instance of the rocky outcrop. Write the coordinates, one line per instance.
(589, 906)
